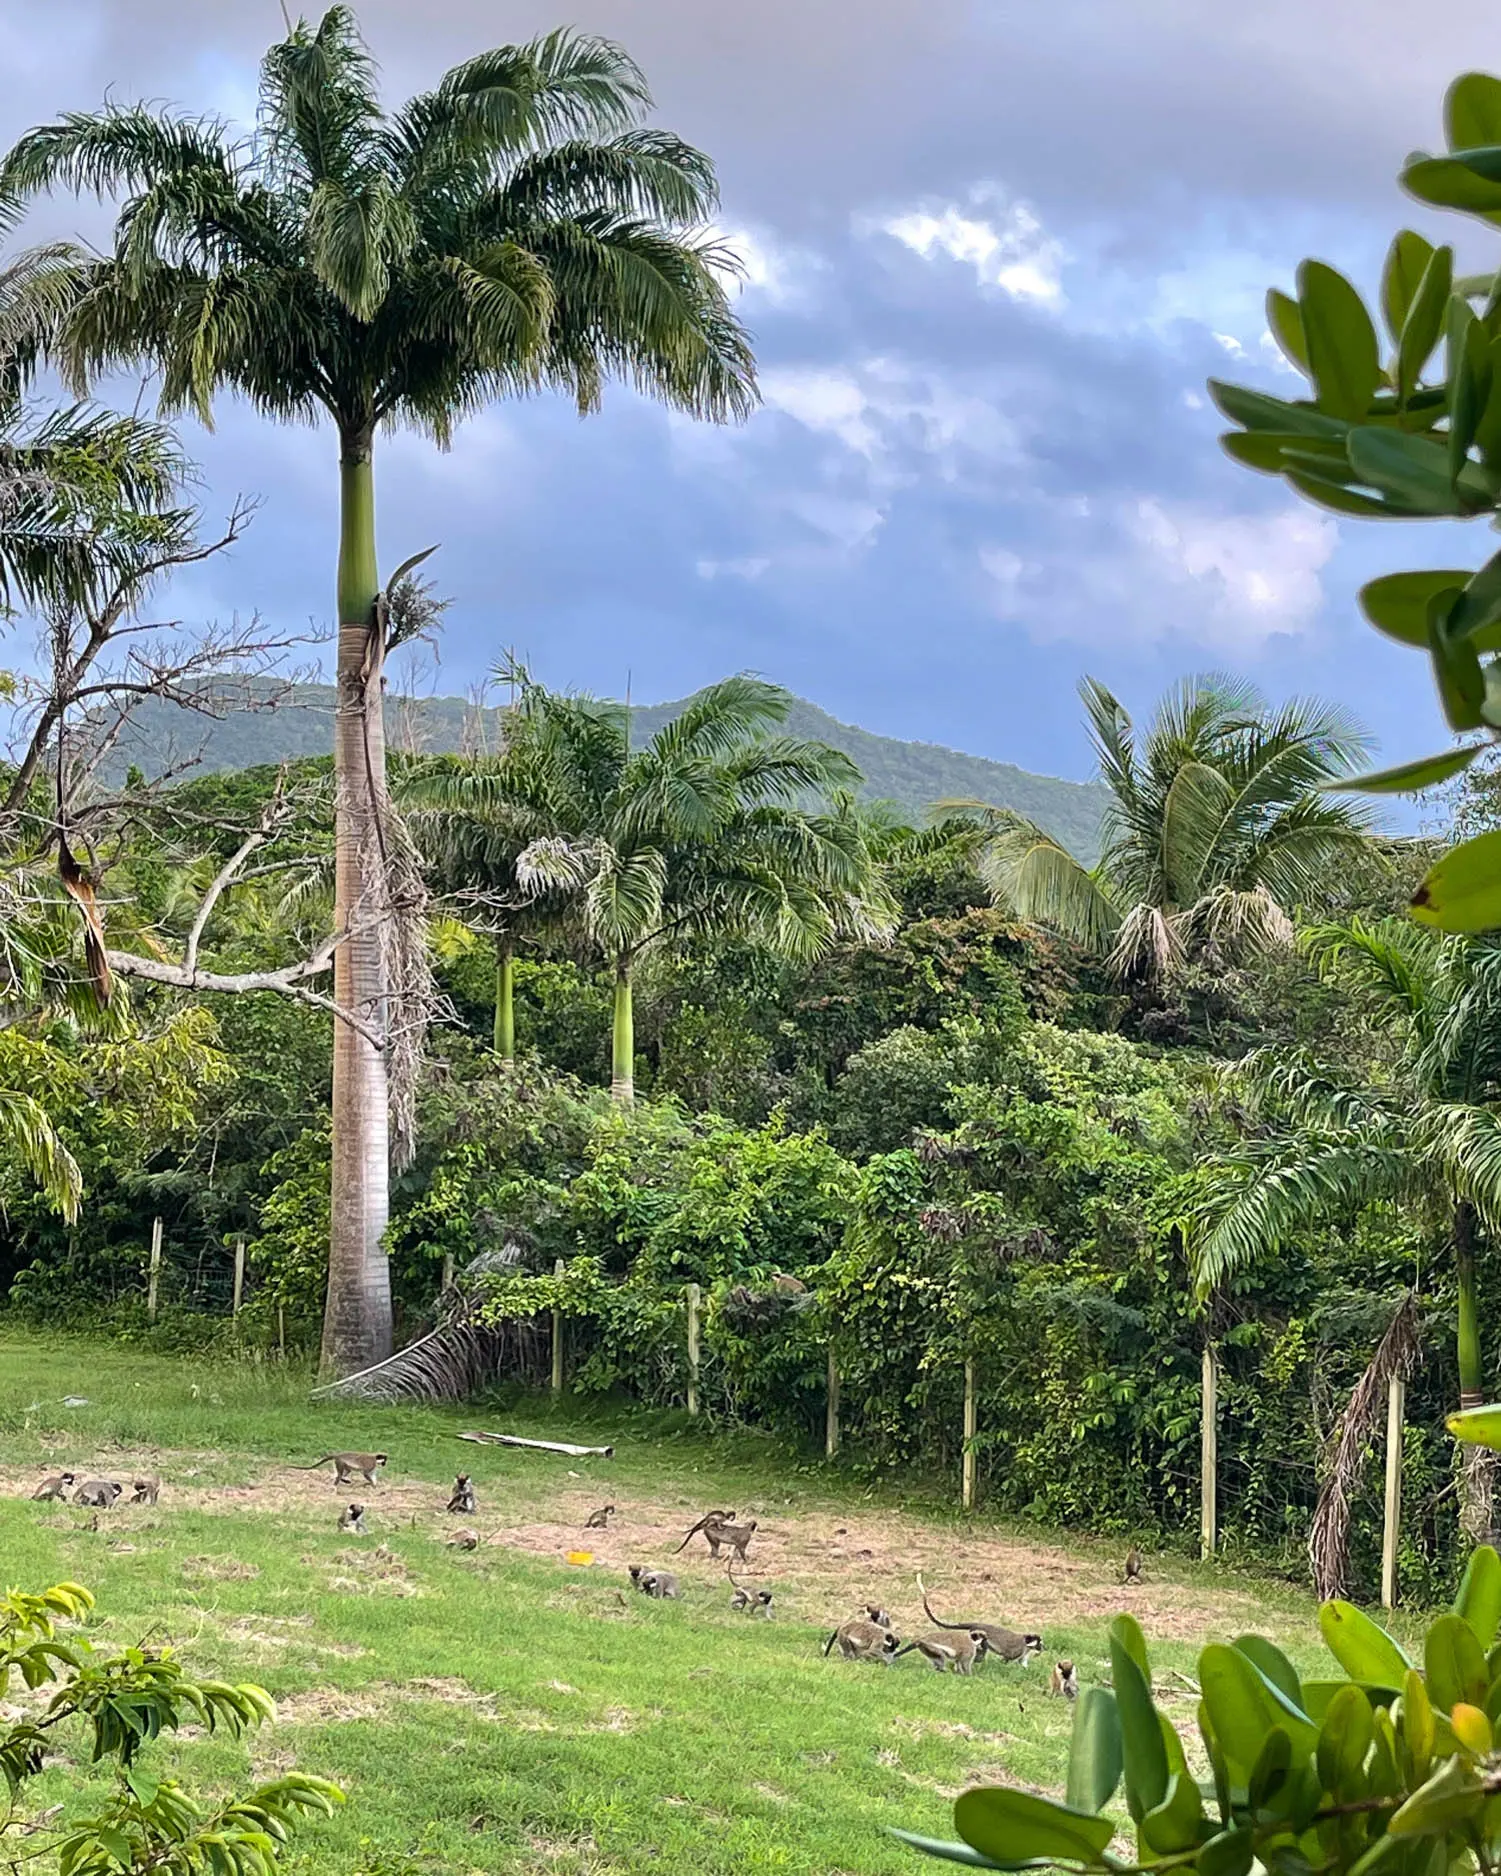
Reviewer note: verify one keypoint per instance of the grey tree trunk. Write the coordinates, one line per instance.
(357, 1318)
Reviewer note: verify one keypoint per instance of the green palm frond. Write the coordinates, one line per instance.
(1393, 963)
(1040, 881)
(30, 1138)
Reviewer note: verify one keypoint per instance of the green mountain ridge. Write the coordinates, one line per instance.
(913, 775)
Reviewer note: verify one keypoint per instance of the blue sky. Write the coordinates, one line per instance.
(992, 252)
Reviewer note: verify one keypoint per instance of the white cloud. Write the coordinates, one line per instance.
(1003, 241)
(1250, 577)
(778, 275)
(827, 400)
(747, 567)
(1229, 343)
(1150, 571)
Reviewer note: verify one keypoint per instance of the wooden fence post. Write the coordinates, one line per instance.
(694, 1298)
(557, 1337)
(970, 1426)
(239, 1295)
(281, 1330)
(1395, 1404)
(153, 1278)
(831, 1411)
(1209, 1458)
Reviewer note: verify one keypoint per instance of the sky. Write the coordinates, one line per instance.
(992, 251)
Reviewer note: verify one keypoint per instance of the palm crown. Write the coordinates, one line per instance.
(699, 833)
(515, 227)
(1215, 827)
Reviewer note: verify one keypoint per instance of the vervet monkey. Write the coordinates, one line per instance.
(463, 1498)
(950, 1649)
(100, 1492)
(600, 1520)
(749, 1601)
(737, 1536)
(1133, 1566)
(1004, 1642)
(144, 1491)
(348, 1466)
(464, 1540)
(1065, 1680)
(352, 1518)
(864, 1641)
(58, 1487)
(875, 1613)
(662, 1584)
(709, 1517)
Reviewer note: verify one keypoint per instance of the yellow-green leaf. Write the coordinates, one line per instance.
(1462, 893)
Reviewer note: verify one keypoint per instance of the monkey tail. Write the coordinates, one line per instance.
(313, 1467)
(897, 1653)
(831, 1641)
(937, 1621)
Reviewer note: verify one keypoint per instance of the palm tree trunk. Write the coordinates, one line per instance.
(1478, 1463)
(623, 1039)
(505, 1002)
(357, 1319)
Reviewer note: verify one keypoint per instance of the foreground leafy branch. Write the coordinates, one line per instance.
(1392, 1766)
(123, 1702)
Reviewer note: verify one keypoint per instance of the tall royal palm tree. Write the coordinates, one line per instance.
(515, 229)
(1424, 1135)
(704, 831)
(1215, 829)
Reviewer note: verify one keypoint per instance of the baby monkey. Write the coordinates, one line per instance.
(1065, 1680)
(464, 1540)
(144, 1491)
(352, 1518)
(58, 1487)
(749, 1601)
(599, 1520)
(662, 1584)
(463, 1498)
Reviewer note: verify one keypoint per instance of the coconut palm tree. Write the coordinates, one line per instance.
(1215, 830)
(515, 229)
(1423, 1135)
(699, 833)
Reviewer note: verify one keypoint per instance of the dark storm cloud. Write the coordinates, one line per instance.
(996, 250)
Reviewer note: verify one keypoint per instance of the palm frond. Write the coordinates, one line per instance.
(30, 1136)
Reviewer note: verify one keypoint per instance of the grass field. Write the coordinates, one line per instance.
(505, 1711)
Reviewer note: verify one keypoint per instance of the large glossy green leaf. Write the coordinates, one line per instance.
(1397, 603)
(1319, 1696)
(1452, 1795)
(1449, 182)
(1469, 381)
(1254, 410)
(1419, 1729)
(1273, 1664)
(1453, 1664)
(1408, 778)
(1401, 275)
(1362, 1647)
(1456, 670)
(1285, 322)
(1478, 1426)
(1479, 1596)
(1424, 321)
(1094, 1758)
(1343, 356)
(1178, 1822)
(1472, 111)
(1228, 1854)
(1013, 1828)
(1488, 430)
(1126, 1630)
(1344, 1740)
(951, 1852)
(1462, 893)
(1343, 500)
(1273, 1767)
(1143, 1755)
(1244, 1707)
(1267, 450)
(1409, 469)
(1406, 258)
(1476, 614)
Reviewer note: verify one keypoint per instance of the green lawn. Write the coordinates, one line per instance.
(505, 1711)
